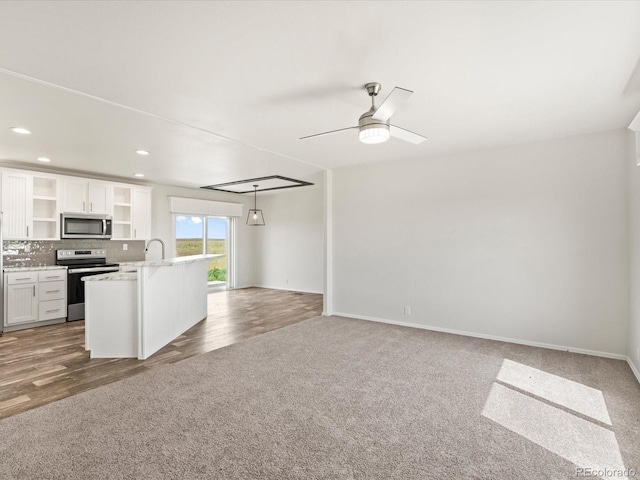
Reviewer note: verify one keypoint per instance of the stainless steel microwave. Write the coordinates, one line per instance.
(74, 225)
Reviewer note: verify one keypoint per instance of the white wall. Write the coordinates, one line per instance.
(634, 223)
(528, 242)
(162, 226)
(289, 250)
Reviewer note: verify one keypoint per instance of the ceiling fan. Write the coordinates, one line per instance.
(374, 125)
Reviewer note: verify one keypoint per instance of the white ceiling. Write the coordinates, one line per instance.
(229, 87)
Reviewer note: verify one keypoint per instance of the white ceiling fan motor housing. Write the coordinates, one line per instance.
(372, 131)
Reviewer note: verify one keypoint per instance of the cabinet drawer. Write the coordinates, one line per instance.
(14, 278)
(52, 291)
(52, 309)
(52, 275)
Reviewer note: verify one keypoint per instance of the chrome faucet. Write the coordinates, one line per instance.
(146, 249)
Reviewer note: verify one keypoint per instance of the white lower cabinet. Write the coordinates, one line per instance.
(22, 304)
(32, 296)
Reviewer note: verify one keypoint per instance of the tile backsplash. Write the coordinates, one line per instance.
(23, 253)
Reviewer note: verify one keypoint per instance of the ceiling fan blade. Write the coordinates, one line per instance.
(406, 135)
(325, 133)
(393, 102)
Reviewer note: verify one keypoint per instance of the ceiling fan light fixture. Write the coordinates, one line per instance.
(374, 134)
(374, 125)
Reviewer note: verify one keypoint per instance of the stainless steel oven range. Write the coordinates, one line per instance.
(81, 263)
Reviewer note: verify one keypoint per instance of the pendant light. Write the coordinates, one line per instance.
(255, 217)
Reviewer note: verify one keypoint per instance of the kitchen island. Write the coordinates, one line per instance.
(134, 313)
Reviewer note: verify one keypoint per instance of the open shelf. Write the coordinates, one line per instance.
(45, 229)
(45, 187)
(45, 208)
(121, 230)
(122, 195)
(122, 212)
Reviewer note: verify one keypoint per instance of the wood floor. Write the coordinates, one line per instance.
(42, 365)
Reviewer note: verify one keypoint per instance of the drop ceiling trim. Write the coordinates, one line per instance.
(251, 182)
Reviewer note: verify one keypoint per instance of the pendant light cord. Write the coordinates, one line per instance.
(255, 197)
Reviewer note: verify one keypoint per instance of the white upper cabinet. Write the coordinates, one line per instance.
(83, 196)
(141, 213)
(99, 198)
(74, 195)
(17, 207)
(29, 206)
(32, 203)
(131, 212)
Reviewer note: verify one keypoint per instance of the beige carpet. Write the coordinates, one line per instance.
(335, 398)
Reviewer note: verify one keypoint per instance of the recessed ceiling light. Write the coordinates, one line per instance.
(44, 159)
(22, 131)
(142, 152)
(138, 174)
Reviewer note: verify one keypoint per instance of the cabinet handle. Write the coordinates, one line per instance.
(34, 290)
(91, 207)
(19, 279)
(135, 233)
(83, 207)
(51, 311)
(51, 291)
(27, 231)
(52, 276)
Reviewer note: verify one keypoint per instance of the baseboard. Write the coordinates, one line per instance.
(488, 337)
(634, 369)
(26, 326)
(288, 289)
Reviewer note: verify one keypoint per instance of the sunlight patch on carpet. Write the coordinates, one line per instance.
(580, 441)
(575, 396)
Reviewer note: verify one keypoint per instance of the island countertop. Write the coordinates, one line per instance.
(169, 262)
(111, 276)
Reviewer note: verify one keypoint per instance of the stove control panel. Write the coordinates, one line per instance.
(71, 254)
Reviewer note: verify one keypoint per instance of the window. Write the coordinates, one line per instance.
(189, 239)
(217, 243)
(195, 235)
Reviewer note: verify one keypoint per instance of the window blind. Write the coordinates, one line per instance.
(195, 206)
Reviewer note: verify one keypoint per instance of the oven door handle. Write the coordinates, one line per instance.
(92, 270)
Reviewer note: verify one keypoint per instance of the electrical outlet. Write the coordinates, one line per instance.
(27, 248)
(407, 310)
(125, 246)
